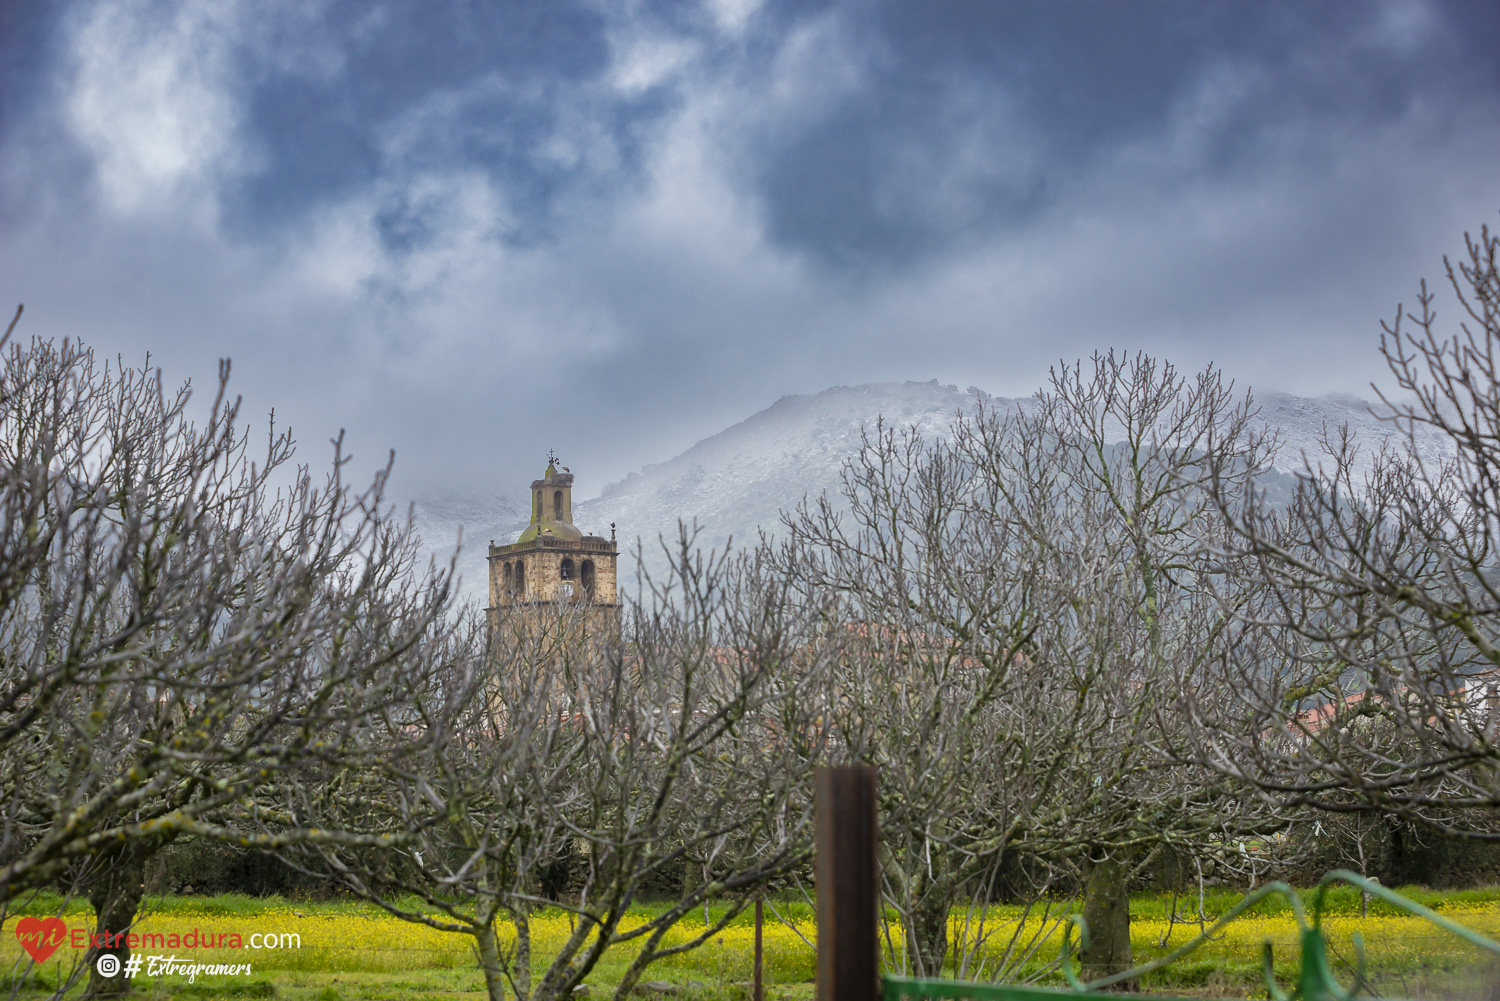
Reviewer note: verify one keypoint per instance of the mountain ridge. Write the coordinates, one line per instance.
(734, 483)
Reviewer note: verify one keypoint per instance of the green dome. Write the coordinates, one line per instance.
(561, 530)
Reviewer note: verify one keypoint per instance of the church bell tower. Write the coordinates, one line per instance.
(554, 568)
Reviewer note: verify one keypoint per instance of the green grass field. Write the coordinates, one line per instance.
(350, 950)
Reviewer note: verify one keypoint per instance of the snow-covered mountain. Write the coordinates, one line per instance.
(736, 483)
(446, 520)
(1302, 421)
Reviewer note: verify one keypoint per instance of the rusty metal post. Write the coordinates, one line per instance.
(848, 884)
(757, 992)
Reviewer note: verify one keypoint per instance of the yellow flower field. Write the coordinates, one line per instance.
(354, 943)
(319, 945)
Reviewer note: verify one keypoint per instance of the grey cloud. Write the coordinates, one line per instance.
(1035, 98)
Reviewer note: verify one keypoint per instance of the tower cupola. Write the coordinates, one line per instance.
(552, 506)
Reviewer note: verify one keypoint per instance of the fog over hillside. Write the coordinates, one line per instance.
(735, 483)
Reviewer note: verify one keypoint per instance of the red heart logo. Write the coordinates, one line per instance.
(41, 936)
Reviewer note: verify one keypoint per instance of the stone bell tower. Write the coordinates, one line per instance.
(553, 566)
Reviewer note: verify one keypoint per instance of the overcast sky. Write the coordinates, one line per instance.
(473, 231)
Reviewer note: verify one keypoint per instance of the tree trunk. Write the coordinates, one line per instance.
(927, 938)
(521, 916)
(115, 893)
(1106, 908)
(489, 960)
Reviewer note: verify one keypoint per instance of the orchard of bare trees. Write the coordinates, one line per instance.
(1080, 640)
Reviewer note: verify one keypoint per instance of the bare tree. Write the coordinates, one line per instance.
(689, 743)
(176, 630)
(1375, 687)
(1033, 589)
(937, 579)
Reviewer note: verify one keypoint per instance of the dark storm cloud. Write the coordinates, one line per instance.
(478, 84)
(478, 230)
(1068, 84)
